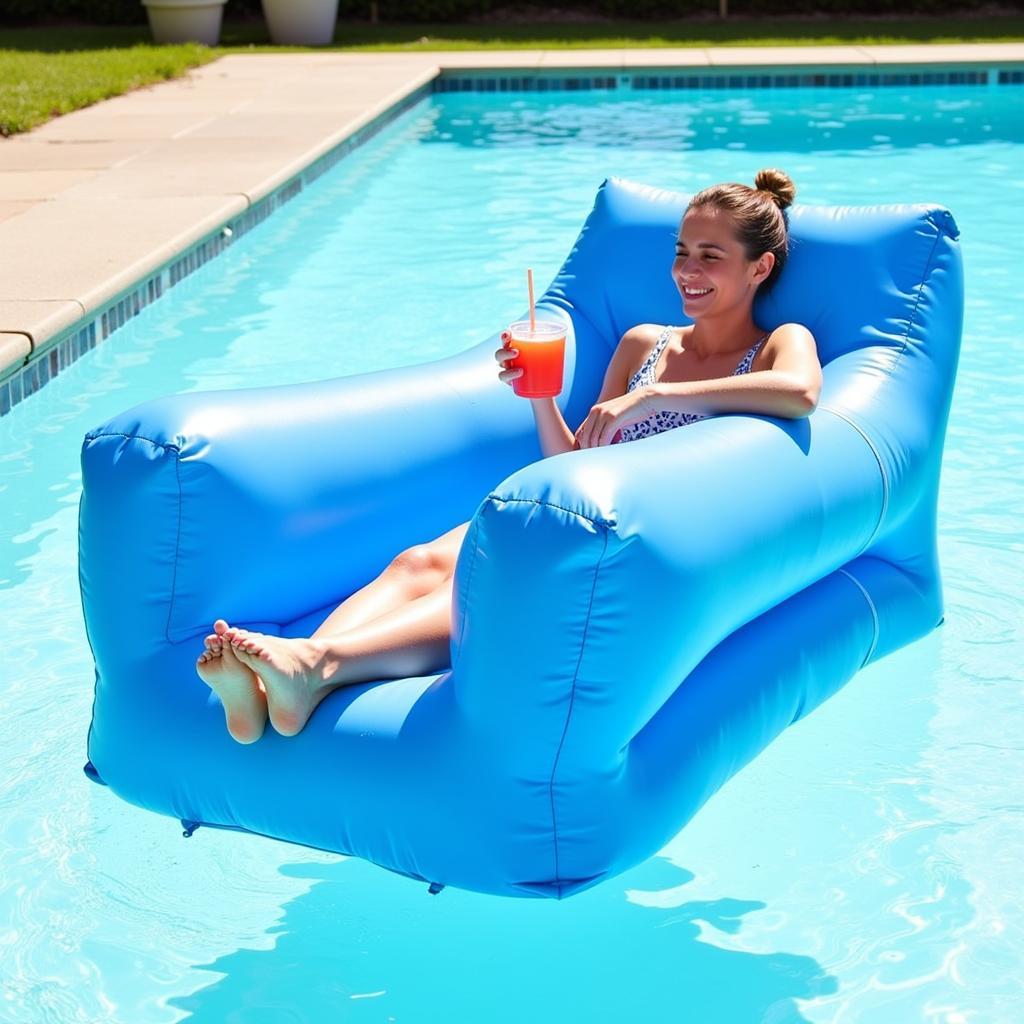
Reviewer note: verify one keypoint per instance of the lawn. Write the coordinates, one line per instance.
(56, 69)
(36, 86)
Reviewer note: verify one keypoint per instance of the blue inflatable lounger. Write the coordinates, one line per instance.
(677, 601)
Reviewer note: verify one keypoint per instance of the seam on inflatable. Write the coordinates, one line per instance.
(88, 637)
(874, 614)
(572, 701)
(89, 439)
(177, 550)
(928, 267)
(608, 524)
(469, 581)
(135, 437)
(881, 472)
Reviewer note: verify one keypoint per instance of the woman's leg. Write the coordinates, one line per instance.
(410, 640)
(414, 573)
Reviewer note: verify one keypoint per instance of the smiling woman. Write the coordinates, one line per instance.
(732, 242)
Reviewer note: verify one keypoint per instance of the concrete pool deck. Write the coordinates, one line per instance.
(94, 202)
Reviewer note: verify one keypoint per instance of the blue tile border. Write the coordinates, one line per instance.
(715, 79)
(809, 80)
(526, 81)
(57, 354)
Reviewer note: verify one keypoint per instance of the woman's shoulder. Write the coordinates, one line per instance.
(633, 348)
(786, 342)
(637, 344)
(788, 337)
(629, 356)
(640, 340)
(791, 332)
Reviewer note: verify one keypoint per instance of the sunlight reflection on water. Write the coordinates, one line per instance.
(865, 868)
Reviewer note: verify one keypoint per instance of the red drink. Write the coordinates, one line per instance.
(541, 357)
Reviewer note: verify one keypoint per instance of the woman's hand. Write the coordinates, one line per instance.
(503, 355)
(606, 418)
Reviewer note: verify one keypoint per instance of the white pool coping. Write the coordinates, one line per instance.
(98, 201)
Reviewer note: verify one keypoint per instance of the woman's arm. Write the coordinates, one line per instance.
(787, 386)
(555, 435)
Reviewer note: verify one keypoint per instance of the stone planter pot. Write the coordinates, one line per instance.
(185, 21)
(301, 22)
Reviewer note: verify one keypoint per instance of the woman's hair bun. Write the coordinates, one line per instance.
(777, 184)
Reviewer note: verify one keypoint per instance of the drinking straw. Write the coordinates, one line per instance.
(529, 285)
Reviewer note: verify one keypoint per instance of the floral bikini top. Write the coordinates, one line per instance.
(662, 419)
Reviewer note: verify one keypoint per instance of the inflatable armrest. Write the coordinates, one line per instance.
(620, 568)
(307, 491)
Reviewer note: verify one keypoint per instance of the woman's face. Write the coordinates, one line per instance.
(711, 269)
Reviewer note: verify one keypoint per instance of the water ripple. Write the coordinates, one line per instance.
(864, 868)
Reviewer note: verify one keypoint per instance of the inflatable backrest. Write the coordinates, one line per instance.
(854, 277)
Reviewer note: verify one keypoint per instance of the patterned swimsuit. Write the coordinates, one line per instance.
(662, 419)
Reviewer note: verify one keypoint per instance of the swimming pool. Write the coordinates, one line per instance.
(864, 868)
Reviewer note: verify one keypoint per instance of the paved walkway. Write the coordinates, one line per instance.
(92, 202)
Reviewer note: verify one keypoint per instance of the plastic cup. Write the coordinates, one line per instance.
(541, 357)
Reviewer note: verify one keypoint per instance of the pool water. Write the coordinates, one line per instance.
(866, 868)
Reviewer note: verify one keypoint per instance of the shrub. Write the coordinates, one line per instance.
(105, 12)
(129, 12)
(100, 12)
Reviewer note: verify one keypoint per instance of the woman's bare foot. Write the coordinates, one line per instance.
(239, 689)
(296, 674)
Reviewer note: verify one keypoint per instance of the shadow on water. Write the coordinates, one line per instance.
(362, 945)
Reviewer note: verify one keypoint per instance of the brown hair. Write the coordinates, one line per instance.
(757, 212)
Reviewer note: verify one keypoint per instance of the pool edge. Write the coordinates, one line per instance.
(63, 339)
(49, 353)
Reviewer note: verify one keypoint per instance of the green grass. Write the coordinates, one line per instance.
(37, 86)
(53, 70)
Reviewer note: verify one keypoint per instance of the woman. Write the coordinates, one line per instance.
(732, 241)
